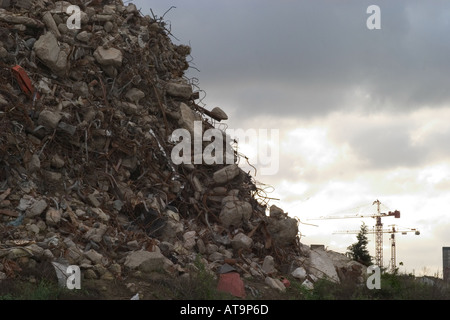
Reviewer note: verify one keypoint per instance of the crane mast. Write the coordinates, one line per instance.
(393, 230)
(378, 227)
(378, 237)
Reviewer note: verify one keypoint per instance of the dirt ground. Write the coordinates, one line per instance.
(160, 287)
(153, 286)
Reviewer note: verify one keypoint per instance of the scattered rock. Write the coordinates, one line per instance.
(147, 261)
(134, 95)
(284, 232)
(308, 284)
(299, 273)
(49, 119)
(275, 284)
(219, 114)
(226, 174)
(53, 217)
(269, 265)
(108, 57)
(179, 90)
(47, 49)
(94, 256)
(322, 266)
(235, 213)
(276, 212)
(36, 208)
(241, 241)
(189, 239)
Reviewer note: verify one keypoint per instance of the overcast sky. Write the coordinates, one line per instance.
(362, 114)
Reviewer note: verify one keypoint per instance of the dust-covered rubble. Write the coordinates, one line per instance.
(86, 175)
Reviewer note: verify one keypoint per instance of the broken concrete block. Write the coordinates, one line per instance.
(322, 266)
(226, 174)
(94, 256)
(234, 213)
(147, 261)
(241, 241)
(179, 90)
(218, 114)
(108, 57)
(275, 284)
(269, 265)
(284, 232)
(276, 212)
(47, 49)
(134, 95)
(308, 284)
(73, 255)
(51, 24)
(188, 118)
(53, 217)
(189, 239)
(37, 208)
(299, 273)
(96, 234)
(34, 164)
(84, 36)
(49, 119)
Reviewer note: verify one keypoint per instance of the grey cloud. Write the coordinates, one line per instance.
(314, 52)
(387, 147)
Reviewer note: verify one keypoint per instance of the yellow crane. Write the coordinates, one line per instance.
(393, 230)
(378, 226)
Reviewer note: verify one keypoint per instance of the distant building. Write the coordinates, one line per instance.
(446, 263)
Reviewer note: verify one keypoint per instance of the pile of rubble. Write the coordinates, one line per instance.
(86, 177)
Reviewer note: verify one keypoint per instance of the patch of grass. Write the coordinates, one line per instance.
(393, 287)
(42, 289)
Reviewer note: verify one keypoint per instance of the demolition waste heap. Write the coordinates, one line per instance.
(86, 176)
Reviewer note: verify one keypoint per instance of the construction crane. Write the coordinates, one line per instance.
(393, 230)
(378, 226)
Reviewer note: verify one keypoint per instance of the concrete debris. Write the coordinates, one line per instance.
(49, 52)
(145, 261)
(179, 90)
(269, 265)
(299, 273)
(235, 213)
(284, 232)
(275, 284)
(276, 212)
(226, 174)
(86, 173)
(322, 266)
(241, 241)
(308, 284)
(219, 114)
(108, 57)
